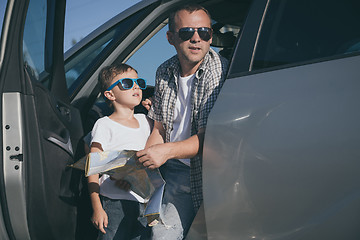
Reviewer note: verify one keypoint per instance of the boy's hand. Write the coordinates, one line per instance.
(122, 184)
(100, 220)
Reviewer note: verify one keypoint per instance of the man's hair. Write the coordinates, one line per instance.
(189, 8)
(108, 73)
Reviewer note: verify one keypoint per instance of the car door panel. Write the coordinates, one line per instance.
(287, 142)
(48, 170)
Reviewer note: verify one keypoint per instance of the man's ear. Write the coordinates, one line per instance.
(170, 37)
(109, 95)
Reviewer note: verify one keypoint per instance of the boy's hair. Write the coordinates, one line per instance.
(108, 73)
(189, 8)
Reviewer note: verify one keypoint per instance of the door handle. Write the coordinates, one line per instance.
(63, 141)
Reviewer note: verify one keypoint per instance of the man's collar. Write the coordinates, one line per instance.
(204, 63)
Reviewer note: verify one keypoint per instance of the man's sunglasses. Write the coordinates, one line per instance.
(128, 83)
(186, 33)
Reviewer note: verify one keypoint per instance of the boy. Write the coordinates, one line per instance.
(116, 210)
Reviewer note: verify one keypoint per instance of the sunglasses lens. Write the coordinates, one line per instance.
(141, 83)
(205, 33)
(186, 33)
(127, 83)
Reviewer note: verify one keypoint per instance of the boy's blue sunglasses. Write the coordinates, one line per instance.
(128, 83)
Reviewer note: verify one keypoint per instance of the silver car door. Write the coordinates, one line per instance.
(40, 129)
(281, 153)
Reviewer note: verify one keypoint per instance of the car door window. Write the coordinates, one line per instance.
(34, 40)
(2, 12)
(301, 30)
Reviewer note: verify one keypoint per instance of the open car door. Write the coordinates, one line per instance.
(40, 129)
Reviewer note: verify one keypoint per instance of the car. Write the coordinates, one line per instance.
(281, 151)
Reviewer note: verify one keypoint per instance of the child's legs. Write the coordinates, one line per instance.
(177, 210)
(122, 219)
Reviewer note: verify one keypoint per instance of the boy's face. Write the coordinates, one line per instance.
(125, 97)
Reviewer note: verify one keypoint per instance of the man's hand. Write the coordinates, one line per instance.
(154, 156)
(147, 103)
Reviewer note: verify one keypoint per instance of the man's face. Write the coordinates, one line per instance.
(190, 52)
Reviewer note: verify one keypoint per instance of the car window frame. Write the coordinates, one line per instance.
(246, 42)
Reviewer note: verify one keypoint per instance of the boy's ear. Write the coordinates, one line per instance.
(109, 95)
(170, 37)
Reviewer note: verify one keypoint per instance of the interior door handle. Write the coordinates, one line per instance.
(62, 141)
(64, 111)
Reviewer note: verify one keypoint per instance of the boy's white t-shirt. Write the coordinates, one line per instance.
(115, 136)
(182, 113)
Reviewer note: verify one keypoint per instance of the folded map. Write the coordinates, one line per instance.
(146, 183)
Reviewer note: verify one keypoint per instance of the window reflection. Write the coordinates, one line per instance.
(302, 30)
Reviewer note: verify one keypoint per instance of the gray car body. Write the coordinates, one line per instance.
(281, 155)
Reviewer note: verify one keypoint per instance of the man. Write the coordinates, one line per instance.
(186, 88)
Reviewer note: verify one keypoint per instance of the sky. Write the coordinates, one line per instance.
(84, 16)
(97, 13)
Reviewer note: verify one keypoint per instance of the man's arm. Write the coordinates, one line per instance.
(157, 152)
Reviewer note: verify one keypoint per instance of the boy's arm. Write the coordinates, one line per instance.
(157, 152)
(99, 217)
(157, 135)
